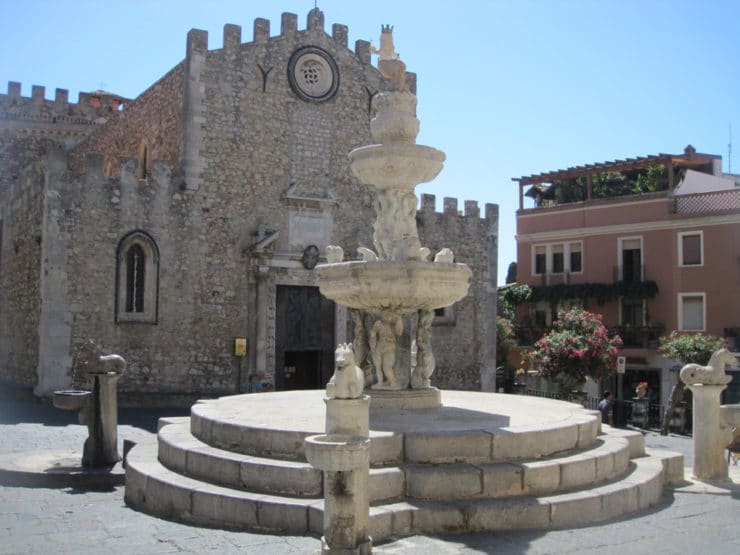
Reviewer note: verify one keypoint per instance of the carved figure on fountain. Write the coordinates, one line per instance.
(334, 254)
(348, 380)
(387, 50)
(383, 339)
(389, 64)
(424, 368)
(444, 256)
(360, 345)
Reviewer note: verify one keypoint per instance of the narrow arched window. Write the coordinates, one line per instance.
(137, 276)
(135, 272)
(143, 171)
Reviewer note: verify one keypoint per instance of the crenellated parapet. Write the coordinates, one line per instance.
(90, 109)
(197, 41)
(450, 208)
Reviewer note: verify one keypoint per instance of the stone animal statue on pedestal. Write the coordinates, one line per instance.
(711, 374)
(348, 380)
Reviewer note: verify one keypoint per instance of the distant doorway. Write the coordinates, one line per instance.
(302, 370)
(304, 338)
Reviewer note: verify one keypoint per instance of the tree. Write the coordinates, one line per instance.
(577, 347)
(689, 349)
(511, 273)
(510, 298)
(505, 339)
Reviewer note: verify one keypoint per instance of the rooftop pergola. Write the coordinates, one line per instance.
(689, 159)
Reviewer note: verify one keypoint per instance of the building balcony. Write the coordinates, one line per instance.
(639, 337)
(528, 335)
(633, 337)
(629, 273)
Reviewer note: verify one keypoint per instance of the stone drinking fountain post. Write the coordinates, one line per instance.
(343, 454)
(99, 410)
(710, 432)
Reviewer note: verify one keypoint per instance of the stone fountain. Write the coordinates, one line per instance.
(98, 409)
(375, 458)
(396, 281)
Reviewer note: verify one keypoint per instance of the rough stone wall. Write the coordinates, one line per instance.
(266, 141)
(21, 208)
(180, 353)
(153, 119)
(460, 346)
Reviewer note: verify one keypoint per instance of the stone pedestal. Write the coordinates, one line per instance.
(101, 447)
(343, 453)
(709, 443)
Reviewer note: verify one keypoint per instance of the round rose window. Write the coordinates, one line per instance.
(313, 74)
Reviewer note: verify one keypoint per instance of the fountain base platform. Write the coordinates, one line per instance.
(477, 462)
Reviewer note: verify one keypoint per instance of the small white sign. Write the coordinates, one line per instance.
(621, 364)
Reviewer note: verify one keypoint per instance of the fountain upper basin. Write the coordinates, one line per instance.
(405, 286)
(396, 165)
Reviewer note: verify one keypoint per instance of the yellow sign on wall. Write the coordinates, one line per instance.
(240, 346)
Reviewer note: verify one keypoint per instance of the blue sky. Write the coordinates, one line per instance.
(505, 88)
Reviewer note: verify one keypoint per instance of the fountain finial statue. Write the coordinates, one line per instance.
(389, 64)
(387, 50)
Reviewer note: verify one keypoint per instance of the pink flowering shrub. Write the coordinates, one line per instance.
(578, 346)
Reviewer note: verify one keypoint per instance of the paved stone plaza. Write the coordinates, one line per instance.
(692, 518)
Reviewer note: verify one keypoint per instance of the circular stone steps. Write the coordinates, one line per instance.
(181, 452)
(479, 462)
(153, 488)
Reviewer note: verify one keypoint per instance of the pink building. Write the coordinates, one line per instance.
(652, 243)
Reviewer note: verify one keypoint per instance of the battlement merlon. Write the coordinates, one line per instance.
(261, 30)
(197, 42)
(232, 37)
(472, 209)
(288, 24)
(315, 20)
(339, 33)
(38, 93)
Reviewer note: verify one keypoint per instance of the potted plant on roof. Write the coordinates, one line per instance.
(576, 348)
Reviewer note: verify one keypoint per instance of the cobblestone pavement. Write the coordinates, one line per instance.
(693, 518)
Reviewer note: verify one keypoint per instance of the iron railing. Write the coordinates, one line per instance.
(640, 337)
(654, 411)
(630, 273)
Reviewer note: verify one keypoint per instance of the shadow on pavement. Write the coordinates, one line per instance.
(36, 411)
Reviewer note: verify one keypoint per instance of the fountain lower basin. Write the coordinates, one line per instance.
(387, 285)
(71, 399)
(337, 452)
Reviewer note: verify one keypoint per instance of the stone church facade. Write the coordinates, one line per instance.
(193, 216)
